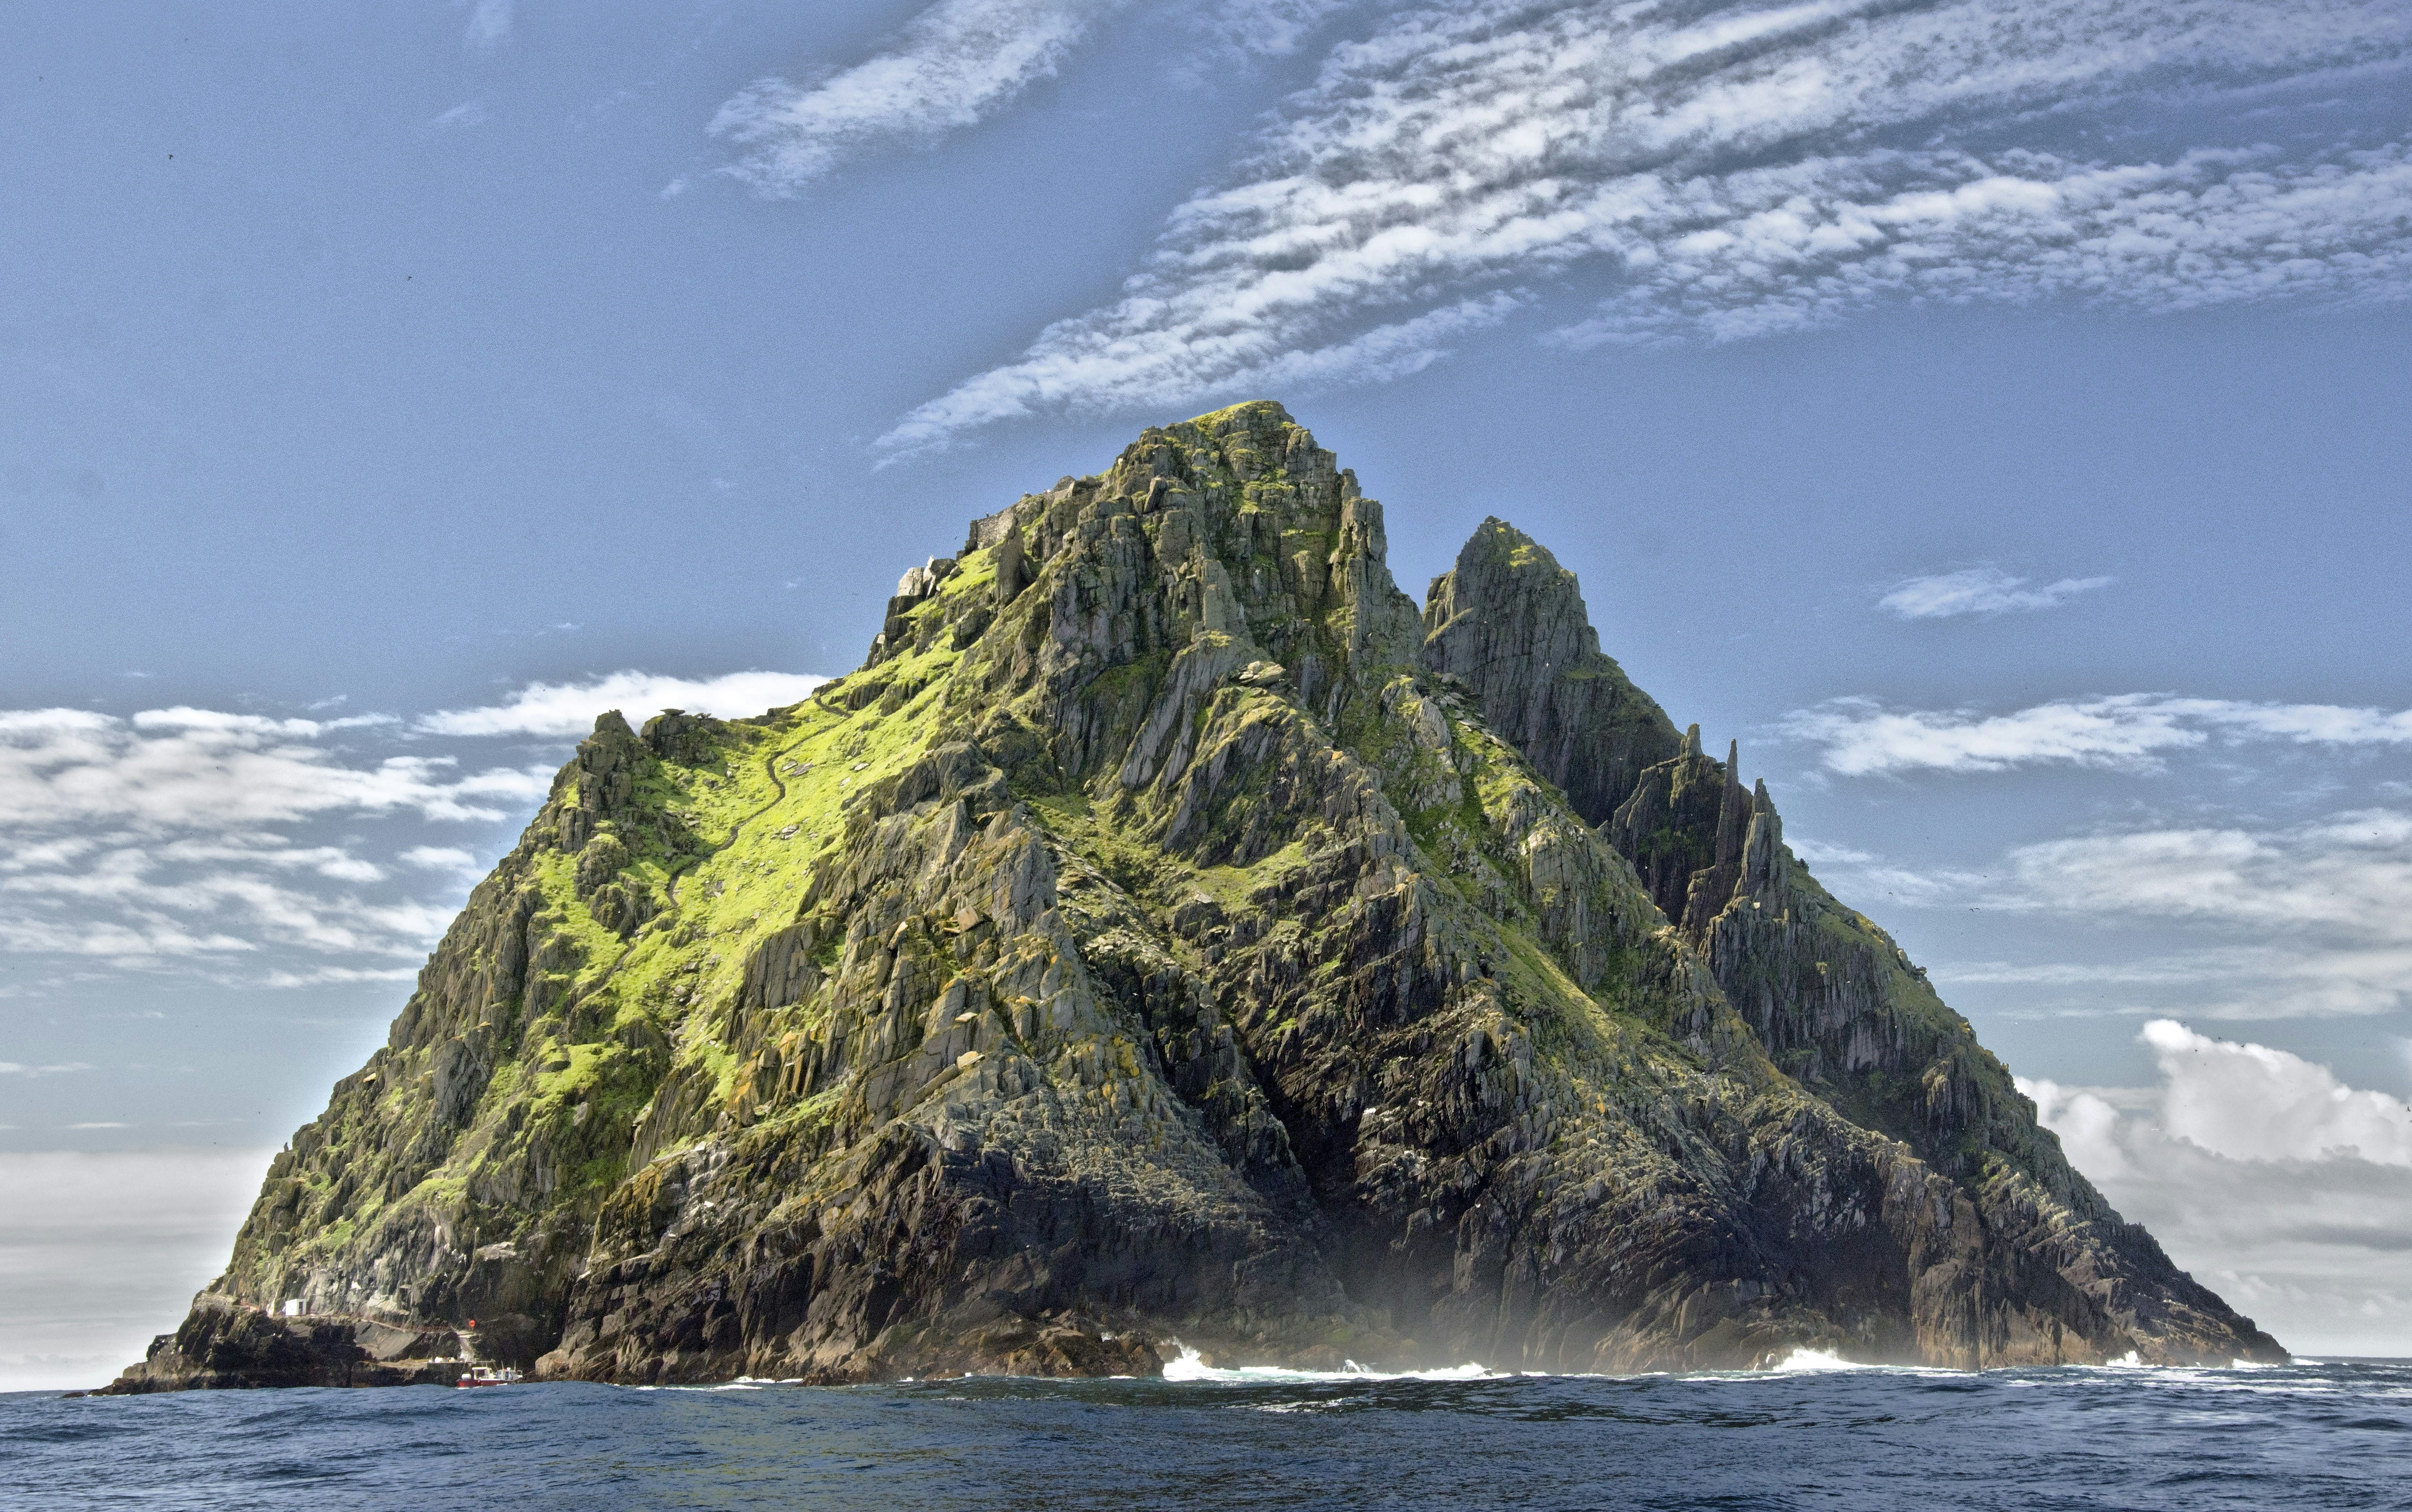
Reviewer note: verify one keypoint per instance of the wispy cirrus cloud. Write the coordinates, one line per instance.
(490, 24)
(2133, 731)
(1740, 170)
(2303, 920)
(1806, 245)
(956, 61)
(1984, 590)
(954, 64)
(1266, 27)
(462, 116)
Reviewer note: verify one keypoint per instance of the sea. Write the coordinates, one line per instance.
(1817, 1434)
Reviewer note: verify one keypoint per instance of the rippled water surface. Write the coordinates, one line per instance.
(2302, 1436)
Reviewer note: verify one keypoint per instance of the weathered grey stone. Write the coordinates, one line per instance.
(1510, 622)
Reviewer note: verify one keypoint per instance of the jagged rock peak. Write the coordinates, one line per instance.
(1233, 524)
(1166, 935)
(1510, 622)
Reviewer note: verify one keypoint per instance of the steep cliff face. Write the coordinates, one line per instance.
(1510, 622)
(1169, 934)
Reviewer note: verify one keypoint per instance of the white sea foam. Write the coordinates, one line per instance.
(1190, 1366)
(1805, 1360)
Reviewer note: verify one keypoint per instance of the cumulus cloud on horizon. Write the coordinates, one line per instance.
(2249, 1102)
(1737, 173)
(2286, 1189)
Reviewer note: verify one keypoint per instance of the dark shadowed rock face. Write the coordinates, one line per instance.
(1510, 622)
(1170, 935)
(225, 1344)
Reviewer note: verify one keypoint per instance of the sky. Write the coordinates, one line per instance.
(1992, 415)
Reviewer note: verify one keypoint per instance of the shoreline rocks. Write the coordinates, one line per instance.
(225, 1345)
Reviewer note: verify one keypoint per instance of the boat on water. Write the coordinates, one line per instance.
(490, 1375)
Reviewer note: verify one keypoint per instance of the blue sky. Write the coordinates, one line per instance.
(1992, 415)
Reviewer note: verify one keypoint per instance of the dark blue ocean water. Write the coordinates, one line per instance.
(2305, 1436)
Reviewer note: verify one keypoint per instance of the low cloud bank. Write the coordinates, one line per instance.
(285, 852)
(568, 709)
(2131, 732)
(101, 1252)
(2276, 1182)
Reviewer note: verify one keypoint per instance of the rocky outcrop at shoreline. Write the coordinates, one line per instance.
(1169, 932)
(225, 1345)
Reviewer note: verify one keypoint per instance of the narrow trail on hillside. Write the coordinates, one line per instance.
(670, 884)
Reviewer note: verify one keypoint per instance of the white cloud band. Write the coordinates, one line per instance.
(567, 710)
(2305, 920)
(178, 768)
(169, 836)
(2124, 731)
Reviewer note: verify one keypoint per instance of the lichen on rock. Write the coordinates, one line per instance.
(1169, 934)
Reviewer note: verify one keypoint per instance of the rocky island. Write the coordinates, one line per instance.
(1171, 934)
